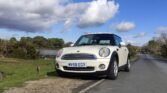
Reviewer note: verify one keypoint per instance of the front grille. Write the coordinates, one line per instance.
(79, 57)
(79, 68)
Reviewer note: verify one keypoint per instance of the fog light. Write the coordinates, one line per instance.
(102, 66)
(57, 65)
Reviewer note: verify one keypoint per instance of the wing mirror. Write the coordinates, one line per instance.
(72, 44)
(123, 44)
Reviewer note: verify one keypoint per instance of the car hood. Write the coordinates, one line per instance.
(84, 49)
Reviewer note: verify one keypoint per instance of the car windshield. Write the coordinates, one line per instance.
(95, 39)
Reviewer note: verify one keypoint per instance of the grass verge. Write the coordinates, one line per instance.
(17, 71)
(134, 58)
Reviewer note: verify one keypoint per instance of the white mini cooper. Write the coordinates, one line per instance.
(99, 54)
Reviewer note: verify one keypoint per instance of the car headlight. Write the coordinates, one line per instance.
(58, 54)
(104, 52)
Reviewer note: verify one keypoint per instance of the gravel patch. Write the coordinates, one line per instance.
(56, 85)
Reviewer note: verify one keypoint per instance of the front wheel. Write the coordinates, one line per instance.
(59, 73)
(113, 70)
(127, 66)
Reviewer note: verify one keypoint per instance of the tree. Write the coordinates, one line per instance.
(56, 43)
(153, 47)
(27, 47)
(134, 50)
(164, 50)
(163, 39)
(2, 45)
(157, 46)
(40, 42)
(13, 40)
(22, 49)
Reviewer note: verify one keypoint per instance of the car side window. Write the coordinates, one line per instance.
(118, 40)
(104, 42)
(84, 40)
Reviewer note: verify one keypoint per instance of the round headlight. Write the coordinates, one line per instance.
(104, 52)
(58, 54)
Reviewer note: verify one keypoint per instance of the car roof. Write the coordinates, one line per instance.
(99, 33)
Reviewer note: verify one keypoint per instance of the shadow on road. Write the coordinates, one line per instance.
(74, 76)
(160, 59)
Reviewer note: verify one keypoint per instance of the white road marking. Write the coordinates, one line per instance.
(91, 86)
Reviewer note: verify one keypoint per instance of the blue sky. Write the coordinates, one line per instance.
(146, 15)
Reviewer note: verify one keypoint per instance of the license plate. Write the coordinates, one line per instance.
(76, 65)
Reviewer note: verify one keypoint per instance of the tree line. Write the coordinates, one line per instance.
(27, 47)
(157, 46)
(134, 51)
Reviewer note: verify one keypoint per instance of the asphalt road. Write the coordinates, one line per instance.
(148, 75)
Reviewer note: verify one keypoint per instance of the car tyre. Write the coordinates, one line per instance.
(113, 69)
(128, 65)
(59, 73)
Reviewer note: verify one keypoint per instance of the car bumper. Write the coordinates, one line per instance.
(92, 66)
(97, 73)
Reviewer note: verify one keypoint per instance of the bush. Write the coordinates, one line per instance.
(24, 50)
(157, 46)
(133, 50)
(164, 50)
(27, 47)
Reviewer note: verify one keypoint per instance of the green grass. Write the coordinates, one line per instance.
(17, 71)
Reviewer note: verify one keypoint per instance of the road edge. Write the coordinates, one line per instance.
(91, 86)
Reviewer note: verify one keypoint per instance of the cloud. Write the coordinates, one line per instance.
(140, 35)
(98, 13)
(129, 42)
(129, 39)
(161, 29)
(41, 15)
(68, 23)
(124, 26)
(133, 42)
(27, 15)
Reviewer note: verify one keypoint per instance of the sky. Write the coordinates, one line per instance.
(136, 21)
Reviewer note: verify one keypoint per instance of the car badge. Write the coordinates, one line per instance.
(78, 51)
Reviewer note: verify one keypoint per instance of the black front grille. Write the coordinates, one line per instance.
(79, 57)
(79, 68)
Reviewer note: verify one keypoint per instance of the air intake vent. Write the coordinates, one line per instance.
(79, 69)
(79, 57)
